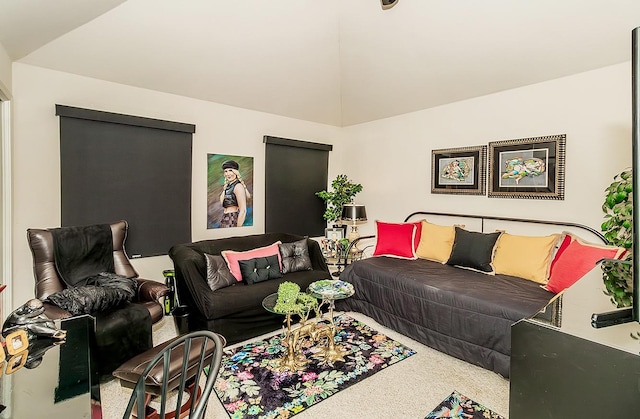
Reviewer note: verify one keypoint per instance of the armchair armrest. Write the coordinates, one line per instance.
(149, 290)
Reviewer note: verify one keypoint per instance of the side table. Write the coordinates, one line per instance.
(328, 291)
(61, 381)
(340, 262)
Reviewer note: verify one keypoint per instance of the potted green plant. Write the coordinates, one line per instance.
(343, 191)
(617, 207)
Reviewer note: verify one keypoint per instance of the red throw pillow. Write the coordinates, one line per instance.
(396, 240)
(233, 258)
(416, 242)
(574, 259)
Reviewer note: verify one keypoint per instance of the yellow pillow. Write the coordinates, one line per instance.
(436, 242)
(527, 257)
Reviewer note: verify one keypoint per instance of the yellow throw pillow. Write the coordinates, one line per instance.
(436, 242)
(527, 257)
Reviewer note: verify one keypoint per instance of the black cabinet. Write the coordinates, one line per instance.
(558, 375)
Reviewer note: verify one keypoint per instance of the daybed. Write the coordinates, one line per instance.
(234, 308)
(461, 312)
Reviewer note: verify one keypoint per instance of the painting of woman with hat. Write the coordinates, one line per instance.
(230, 208)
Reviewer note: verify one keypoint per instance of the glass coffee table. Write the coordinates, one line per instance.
(293, 360)
(328, 291)
(321, 334)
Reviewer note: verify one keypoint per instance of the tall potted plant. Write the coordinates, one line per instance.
(617, 207)
(343, 191)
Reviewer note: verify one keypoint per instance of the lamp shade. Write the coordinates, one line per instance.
(388, 4)
(354, 213)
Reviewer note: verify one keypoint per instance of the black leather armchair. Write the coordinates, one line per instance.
(114, 335)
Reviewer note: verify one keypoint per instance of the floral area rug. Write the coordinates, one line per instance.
(458, 406)
(250, 386)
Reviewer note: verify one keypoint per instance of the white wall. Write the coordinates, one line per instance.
(392, 157)
(5, 71)
(219, 129)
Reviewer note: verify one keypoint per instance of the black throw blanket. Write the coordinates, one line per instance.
(82, 252)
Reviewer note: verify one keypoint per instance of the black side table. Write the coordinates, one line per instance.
(65, 380)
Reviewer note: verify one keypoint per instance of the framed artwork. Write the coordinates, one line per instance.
(530, 168)
(459, 170)
(229, 191)
(333, 234)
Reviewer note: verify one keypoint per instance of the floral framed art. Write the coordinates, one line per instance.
(530, 168)
(459, 170)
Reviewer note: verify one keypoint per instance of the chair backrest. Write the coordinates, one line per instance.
(195, 353)
(44, 265)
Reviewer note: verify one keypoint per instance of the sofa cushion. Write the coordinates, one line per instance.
(295, 256)
(260, 269)
(436, 242)
(575, 258)
(232, 257)
(527, 257)
(473, 250)
(218, 273)
(396, 240)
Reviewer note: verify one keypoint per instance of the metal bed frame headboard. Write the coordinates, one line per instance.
(482, 219)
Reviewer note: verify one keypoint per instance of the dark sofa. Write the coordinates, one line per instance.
(235, 311)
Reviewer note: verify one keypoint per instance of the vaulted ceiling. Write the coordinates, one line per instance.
(338, 62)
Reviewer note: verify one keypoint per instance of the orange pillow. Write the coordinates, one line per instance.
(436, 242)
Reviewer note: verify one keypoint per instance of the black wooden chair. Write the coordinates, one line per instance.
(170, 369)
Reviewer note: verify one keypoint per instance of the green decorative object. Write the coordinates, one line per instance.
(343, 192)
(617, 207)
(292, 301)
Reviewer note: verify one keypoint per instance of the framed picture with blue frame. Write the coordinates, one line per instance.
(459, 170)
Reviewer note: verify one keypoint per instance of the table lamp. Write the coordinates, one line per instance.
(353, 214)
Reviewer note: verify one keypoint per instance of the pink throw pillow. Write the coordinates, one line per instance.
(233, 258)
(396, 240)
(574, 259)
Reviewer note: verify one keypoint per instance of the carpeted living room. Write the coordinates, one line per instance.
(482, 135)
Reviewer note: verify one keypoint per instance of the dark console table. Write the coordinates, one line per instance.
(63, 384)
(562, 367)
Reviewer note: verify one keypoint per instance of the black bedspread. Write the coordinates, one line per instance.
(460, 312)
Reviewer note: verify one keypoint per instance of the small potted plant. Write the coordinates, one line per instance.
(343, 192)
(617, 207)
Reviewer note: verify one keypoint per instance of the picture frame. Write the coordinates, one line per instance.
(16, 362)
(529, 168)
(334, 234)
(16, 342)
(459, 170)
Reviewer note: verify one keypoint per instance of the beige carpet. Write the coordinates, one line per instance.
(409, 389)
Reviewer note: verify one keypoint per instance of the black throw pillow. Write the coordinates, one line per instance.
(473, 250)
(260, 269)
(107, 291)
(218, 273)
(295, 256)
